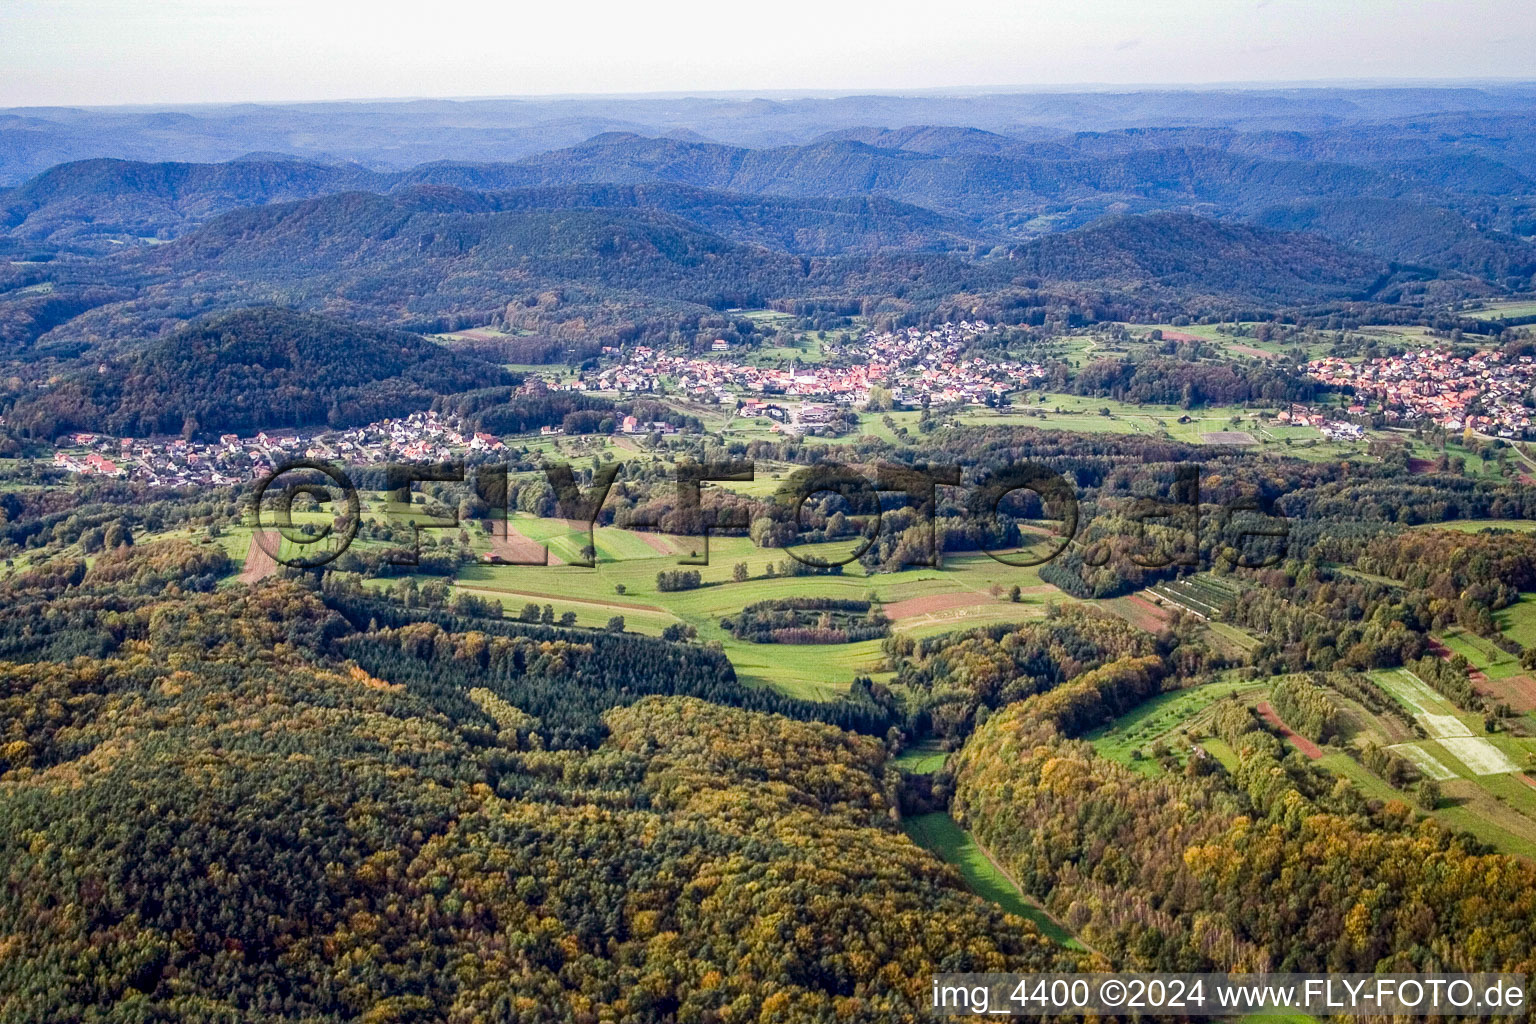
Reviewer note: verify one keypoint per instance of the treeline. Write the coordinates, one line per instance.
(253, 831)
(1469, 575)
(1450, 678)
(808, 620)
(908, 535)
(1273, 867)
(522, 410)
(1309, 619)
(255, 369)
(527, 350)
(506, 410)
(1306, 707)
(564, 677)
(949, 679)
(61, 609)
(1116, 554)
(1311, 616)
(670, 580)
(1189, 383)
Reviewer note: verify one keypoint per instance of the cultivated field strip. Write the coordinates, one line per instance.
(1444, 726)
(1455, 737)
(1482, 757)
(1413, 693)
(1424, 761)
(1201, 593)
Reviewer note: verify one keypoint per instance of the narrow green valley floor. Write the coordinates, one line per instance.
(942, 835)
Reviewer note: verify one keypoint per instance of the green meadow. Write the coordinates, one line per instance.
(1160, 719)
(923, 759)
(940, 834)
(969, 590)
(1500, 310)
(1518, 621)
(1481, 525)
(1481, 652)
(1087, 415)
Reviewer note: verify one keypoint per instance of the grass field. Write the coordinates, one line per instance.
(1236, 636)
(1500, 310)
(1480, 525)
(1477, 771)
(1484, 656)
(1518, 621)
(1104, 415)
(939, 834)
(923, 759)
(1499, 807)
(1475, 466)
(1161, 718)
(1243, 347)
(969, 590)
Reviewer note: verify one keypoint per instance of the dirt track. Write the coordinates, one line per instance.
(914, 607)
(1249, 350)
(659, 543)
(517, 549)
(1518, 691)
(917, 607)
(259, 563)
(1148, 615)
(1302, 744)
(556, 599)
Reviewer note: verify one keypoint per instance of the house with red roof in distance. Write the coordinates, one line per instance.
(483, 442)
(102, 465)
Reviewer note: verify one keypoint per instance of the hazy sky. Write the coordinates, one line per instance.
(155, 51)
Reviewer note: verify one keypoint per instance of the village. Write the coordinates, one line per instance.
(915, 365)
(172, 462)
(1486, 392)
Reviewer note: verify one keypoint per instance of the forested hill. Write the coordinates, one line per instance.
(214, 817)
(1384, 123)
(433, 255)
(812, 226)
(1410, 232)
(95, 200)
(948, 171)
(257, 369)
(96, 205)
(1199, 256)
(973, 187)
(433, 258)
(626, 235)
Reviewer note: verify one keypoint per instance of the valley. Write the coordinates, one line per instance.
(1110, 549)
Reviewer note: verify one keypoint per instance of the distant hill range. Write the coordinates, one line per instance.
(1410, 232)
(919, 189)
(433, 258)
(1352, 125)
(584, 222)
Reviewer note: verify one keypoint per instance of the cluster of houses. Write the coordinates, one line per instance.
(419, 437)
(1486, 391)
(914, 364)
(1333, 430)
